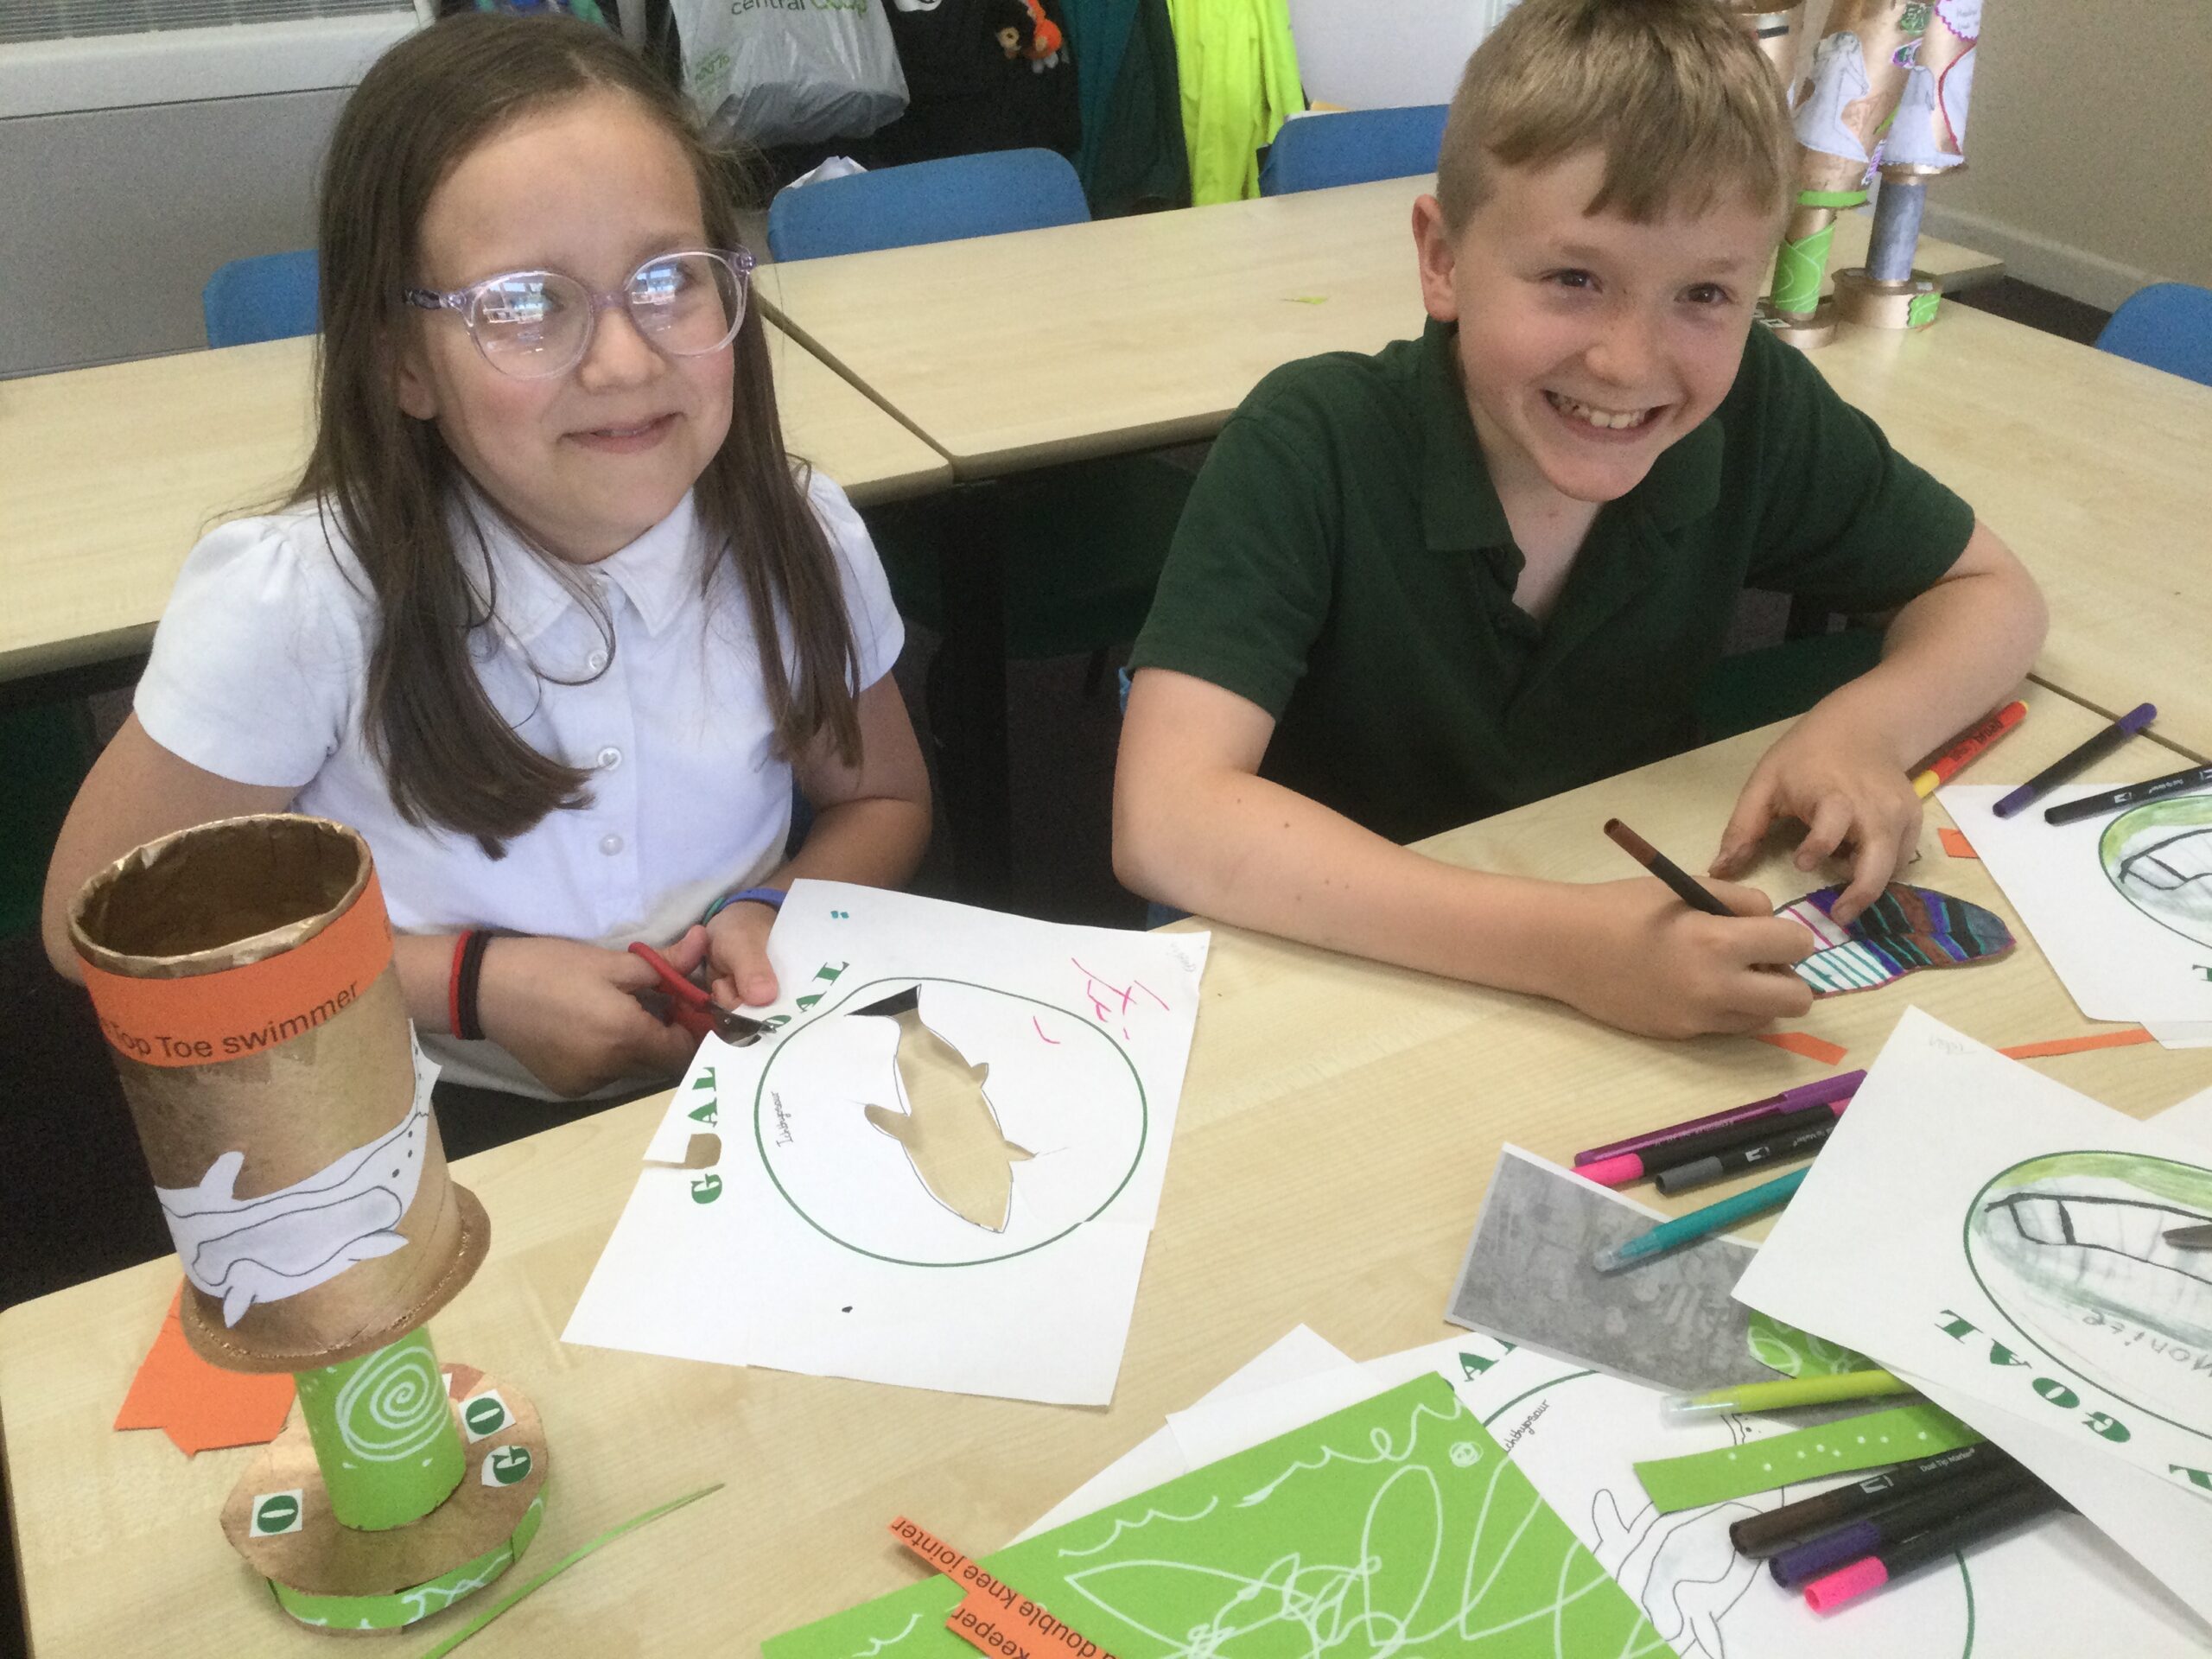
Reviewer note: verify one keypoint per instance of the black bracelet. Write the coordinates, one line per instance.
(466, 1025)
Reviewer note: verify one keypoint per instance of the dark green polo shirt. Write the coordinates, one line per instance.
(1344, 563)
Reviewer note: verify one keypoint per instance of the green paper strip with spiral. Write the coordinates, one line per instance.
(383, 1434)
(1798, 269)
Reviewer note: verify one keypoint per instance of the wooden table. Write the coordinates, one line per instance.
(1337, 1128)
(1019, 350)
(109, 475)
(2096, 470)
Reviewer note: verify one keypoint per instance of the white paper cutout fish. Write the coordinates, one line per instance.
(265, 1248)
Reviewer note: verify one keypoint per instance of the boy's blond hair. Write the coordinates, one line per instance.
(1675, 93)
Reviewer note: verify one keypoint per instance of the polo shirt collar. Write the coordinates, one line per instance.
(1459, 508)
(1460, 504)
(658, 573)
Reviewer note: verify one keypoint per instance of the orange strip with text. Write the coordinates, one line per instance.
(1804, 1043)
(2078, 1044)
(209, 1018)
(994, 1617)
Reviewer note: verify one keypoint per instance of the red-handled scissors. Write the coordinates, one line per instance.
(692, 1008)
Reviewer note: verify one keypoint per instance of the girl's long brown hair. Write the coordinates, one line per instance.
(452, 760)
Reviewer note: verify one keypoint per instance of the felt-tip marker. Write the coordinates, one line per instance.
(2007, 1510)
(1700, 1224)
(1761, 1535)
(1752, 1155)
(1689, 1148)
(2091, 806)
(2089, 754)
(1892, 1523)
(1965, 747)
(1838, 1087)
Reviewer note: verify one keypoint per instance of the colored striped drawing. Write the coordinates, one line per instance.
(1904, 930)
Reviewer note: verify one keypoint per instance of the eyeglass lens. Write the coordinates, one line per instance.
(537, 322)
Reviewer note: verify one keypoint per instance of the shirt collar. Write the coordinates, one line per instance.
(1460, 504)
(657, 573)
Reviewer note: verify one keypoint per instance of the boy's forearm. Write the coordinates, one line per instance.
(1947, 658)
(1242, 850)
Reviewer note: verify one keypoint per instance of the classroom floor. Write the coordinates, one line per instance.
(75, 1198)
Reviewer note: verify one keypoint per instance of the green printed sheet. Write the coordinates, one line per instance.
(1793, 1352)
(1394, 1526)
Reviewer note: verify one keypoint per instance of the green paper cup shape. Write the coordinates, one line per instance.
(383, 1434)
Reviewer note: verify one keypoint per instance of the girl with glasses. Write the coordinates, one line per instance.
(550, 616)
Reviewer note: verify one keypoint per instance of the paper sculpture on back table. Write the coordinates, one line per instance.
(939, 1168)
(1904, 930)
(2121, 906)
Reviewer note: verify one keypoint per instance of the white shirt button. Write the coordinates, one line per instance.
(609, 757)
(610, 845)
(596, 661)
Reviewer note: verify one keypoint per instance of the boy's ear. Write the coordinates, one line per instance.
(1439, 256)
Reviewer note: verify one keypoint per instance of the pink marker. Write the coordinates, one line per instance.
(1629, 1166)
(1838, 1087)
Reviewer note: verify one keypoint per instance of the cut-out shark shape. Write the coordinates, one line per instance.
(265, 1248)
(945, 1124)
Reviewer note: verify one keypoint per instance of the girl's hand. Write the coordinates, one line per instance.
(735, 945)
(1850, 792)
(568, 1011)
(1637, 958)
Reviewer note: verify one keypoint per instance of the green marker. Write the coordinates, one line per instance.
(1702, 1223)
(1784, 1395)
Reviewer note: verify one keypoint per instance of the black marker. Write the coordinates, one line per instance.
(2112, 800)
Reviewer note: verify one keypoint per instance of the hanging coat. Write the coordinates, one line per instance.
(1239, 70)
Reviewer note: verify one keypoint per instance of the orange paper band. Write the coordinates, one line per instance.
(994, 1617)
(208, 1018)
(2077, 1044)
(1956, 844)
(1804, 1043)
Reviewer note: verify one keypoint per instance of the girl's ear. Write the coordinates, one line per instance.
(410, 376)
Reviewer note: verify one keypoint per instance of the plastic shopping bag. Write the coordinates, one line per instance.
(791, 72)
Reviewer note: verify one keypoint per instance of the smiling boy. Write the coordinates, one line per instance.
(1496, 563)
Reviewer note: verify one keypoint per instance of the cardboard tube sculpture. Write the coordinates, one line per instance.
(243, 975)
(1859, 74)
(1773, 25)
(1926, 139)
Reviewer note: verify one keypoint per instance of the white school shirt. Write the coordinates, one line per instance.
(259, 672)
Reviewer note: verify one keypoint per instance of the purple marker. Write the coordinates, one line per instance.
(1823, 1093)
(1899, 1518)
(2087, 755)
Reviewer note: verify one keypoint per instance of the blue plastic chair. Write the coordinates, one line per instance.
(926, 201)
(2168, 326)
(1314, 152)
(270, 296)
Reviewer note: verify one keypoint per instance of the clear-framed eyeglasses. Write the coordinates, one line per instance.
(532, 324)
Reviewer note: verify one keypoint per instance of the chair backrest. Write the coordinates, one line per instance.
(271, 296)
(1352, 147)
(2167, 325)
(926, 201)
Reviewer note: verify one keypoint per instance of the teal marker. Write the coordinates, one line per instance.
(1703, 1224)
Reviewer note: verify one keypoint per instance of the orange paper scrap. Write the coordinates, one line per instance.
(995, 1618)
(1956, 844)
(2075, 1045)
(1804, 1043)
(199, 1406)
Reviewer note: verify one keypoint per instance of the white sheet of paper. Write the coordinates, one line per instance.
(2181, 1033)
(2131, 942)
(1158, 1457)
(1981, 1227)
(815, 1239)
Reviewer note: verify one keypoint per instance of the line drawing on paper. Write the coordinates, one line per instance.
(2071, 1248)
(2158, 857)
